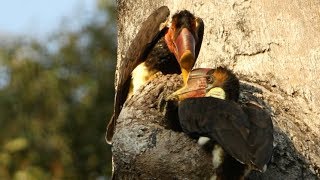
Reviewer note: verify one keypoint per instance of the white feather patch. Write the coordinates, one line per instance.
(216, 92)
(203, 140)
(264, 168)
(217, 156)
(140, 75)
(214, 177)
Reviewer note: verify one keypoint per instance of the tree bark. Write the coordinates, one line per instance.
(274, 49)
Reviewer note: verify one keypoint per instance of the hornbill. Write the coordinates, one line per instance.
(240, 137)
(160, 45)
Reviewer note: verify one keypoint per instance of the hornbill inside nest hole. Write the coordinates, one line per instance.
(239, 137)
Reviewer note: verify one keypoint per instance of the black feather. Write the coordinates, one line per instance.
(245, 133)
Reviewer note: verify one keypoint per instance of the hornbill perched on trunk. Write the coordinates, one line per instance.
(160, 45)
(240, 137)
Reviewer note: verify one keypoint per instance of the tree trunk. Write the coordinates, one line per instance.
(274, 49)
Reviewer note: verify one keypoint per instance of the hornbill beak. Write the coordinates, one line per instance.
(205, 82)
(184, 38)
(185, 46)
(198, 84)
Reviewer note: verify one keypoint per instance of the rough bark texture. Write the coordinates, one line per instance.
(273, 47)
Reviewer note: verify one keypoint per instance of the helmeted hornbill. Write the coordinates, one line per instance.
(159, 46)
(241, 136)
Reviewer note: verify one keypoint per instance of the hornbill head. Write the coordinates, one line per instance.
(220, 83)
(184, 38)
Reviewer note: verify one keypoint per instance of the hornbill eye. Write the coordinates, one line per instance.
(209, 79)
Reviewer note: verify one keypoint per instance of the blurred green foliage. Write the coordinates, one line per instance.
(55, 101)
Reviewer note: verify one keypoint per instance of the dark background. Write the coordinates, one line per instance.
(55, 105)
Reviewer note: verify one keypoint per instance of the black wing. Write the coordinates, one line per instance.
(244, 133)
(261, 134)
(141, 45)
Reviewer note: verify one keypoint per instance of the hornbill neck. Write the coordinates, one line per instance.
(228, 81)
